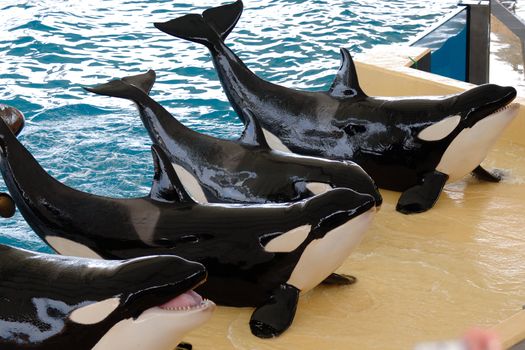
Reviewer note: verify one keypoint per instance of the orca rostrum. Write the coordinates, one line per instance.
(243, 171)
(414, 145)
(256, 255)
(52, 302)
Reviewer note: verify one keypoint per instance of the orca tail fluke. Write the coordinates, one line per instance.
(214, 24)
(129, 88)
(142, 81)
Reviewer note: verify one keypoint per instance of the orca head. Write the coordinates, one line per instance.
(485, 101)
(476, 118)
(337, 208)
(337, 221)
(465, 110)
(347, 174)
(142, 303)
(159, 307)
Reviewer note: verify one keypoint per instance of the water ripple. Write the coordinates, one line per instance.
(49, 49)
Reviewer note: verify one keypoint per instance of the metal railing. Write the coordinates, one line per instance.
(503, 12)
(459, 43)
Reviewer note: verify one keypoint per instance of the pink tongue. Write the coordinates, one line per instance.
(187, 299)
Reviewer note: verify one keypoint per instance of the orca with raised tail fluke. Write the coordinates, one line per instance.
(242, 171)
(51, 302)
(410, 144)
(256, 255)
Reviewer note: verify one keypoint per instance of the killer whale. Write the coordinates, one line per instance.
(243, 171)
(16, 121)
(414, 145)
(256, 255)
(51, 302)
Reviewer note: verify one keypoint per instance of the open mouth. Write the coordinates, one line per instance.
(509, 109)
(504, 108)
(188, 301)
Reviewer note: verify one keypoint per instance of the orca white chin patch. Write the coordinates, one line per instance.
(289, 241)
(274, 142)
(318, 187)
(325, 255)
(190, 183)
(155, 329)
(440, 130)
(67, 247)
(96, 312)
(472, 145)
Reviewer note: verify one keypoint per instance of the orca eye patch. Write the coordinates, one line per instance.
(96, 312)
(318, 187)
(191, 184)
(274, 142)
(440, 130)
(286, 242)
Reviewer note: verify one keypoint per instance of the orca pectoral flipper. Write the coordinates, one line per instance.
(273, 318)
(184, 346)
(485, 175)
(422, 197)
(336, 279)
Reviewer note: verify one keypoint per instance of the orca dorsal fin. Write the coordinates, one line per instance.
(346, 83)
(142, 81)
(253, 134)
(223, 18)
(166, 184)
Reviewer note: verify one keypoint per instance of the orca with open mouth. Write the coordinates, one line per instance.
(414, 145)
(51, 302)
(256, 255)
(244, 171)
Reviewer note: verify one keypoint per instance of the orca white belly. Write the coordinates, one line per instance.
(154, 329)
(472, 145)
(323, 256)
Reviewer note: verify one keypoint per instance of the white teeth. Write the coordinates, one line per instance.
(502, 109)
(202, 305)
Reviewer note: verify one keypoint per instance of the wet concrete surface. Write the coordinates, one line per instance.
(507, 59)
(421, 277)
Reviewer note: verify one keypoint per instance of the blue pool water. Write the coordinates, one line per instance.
(50, 48)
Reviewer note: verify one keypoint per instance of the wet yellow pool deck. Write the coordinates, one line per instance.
(422, 277)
